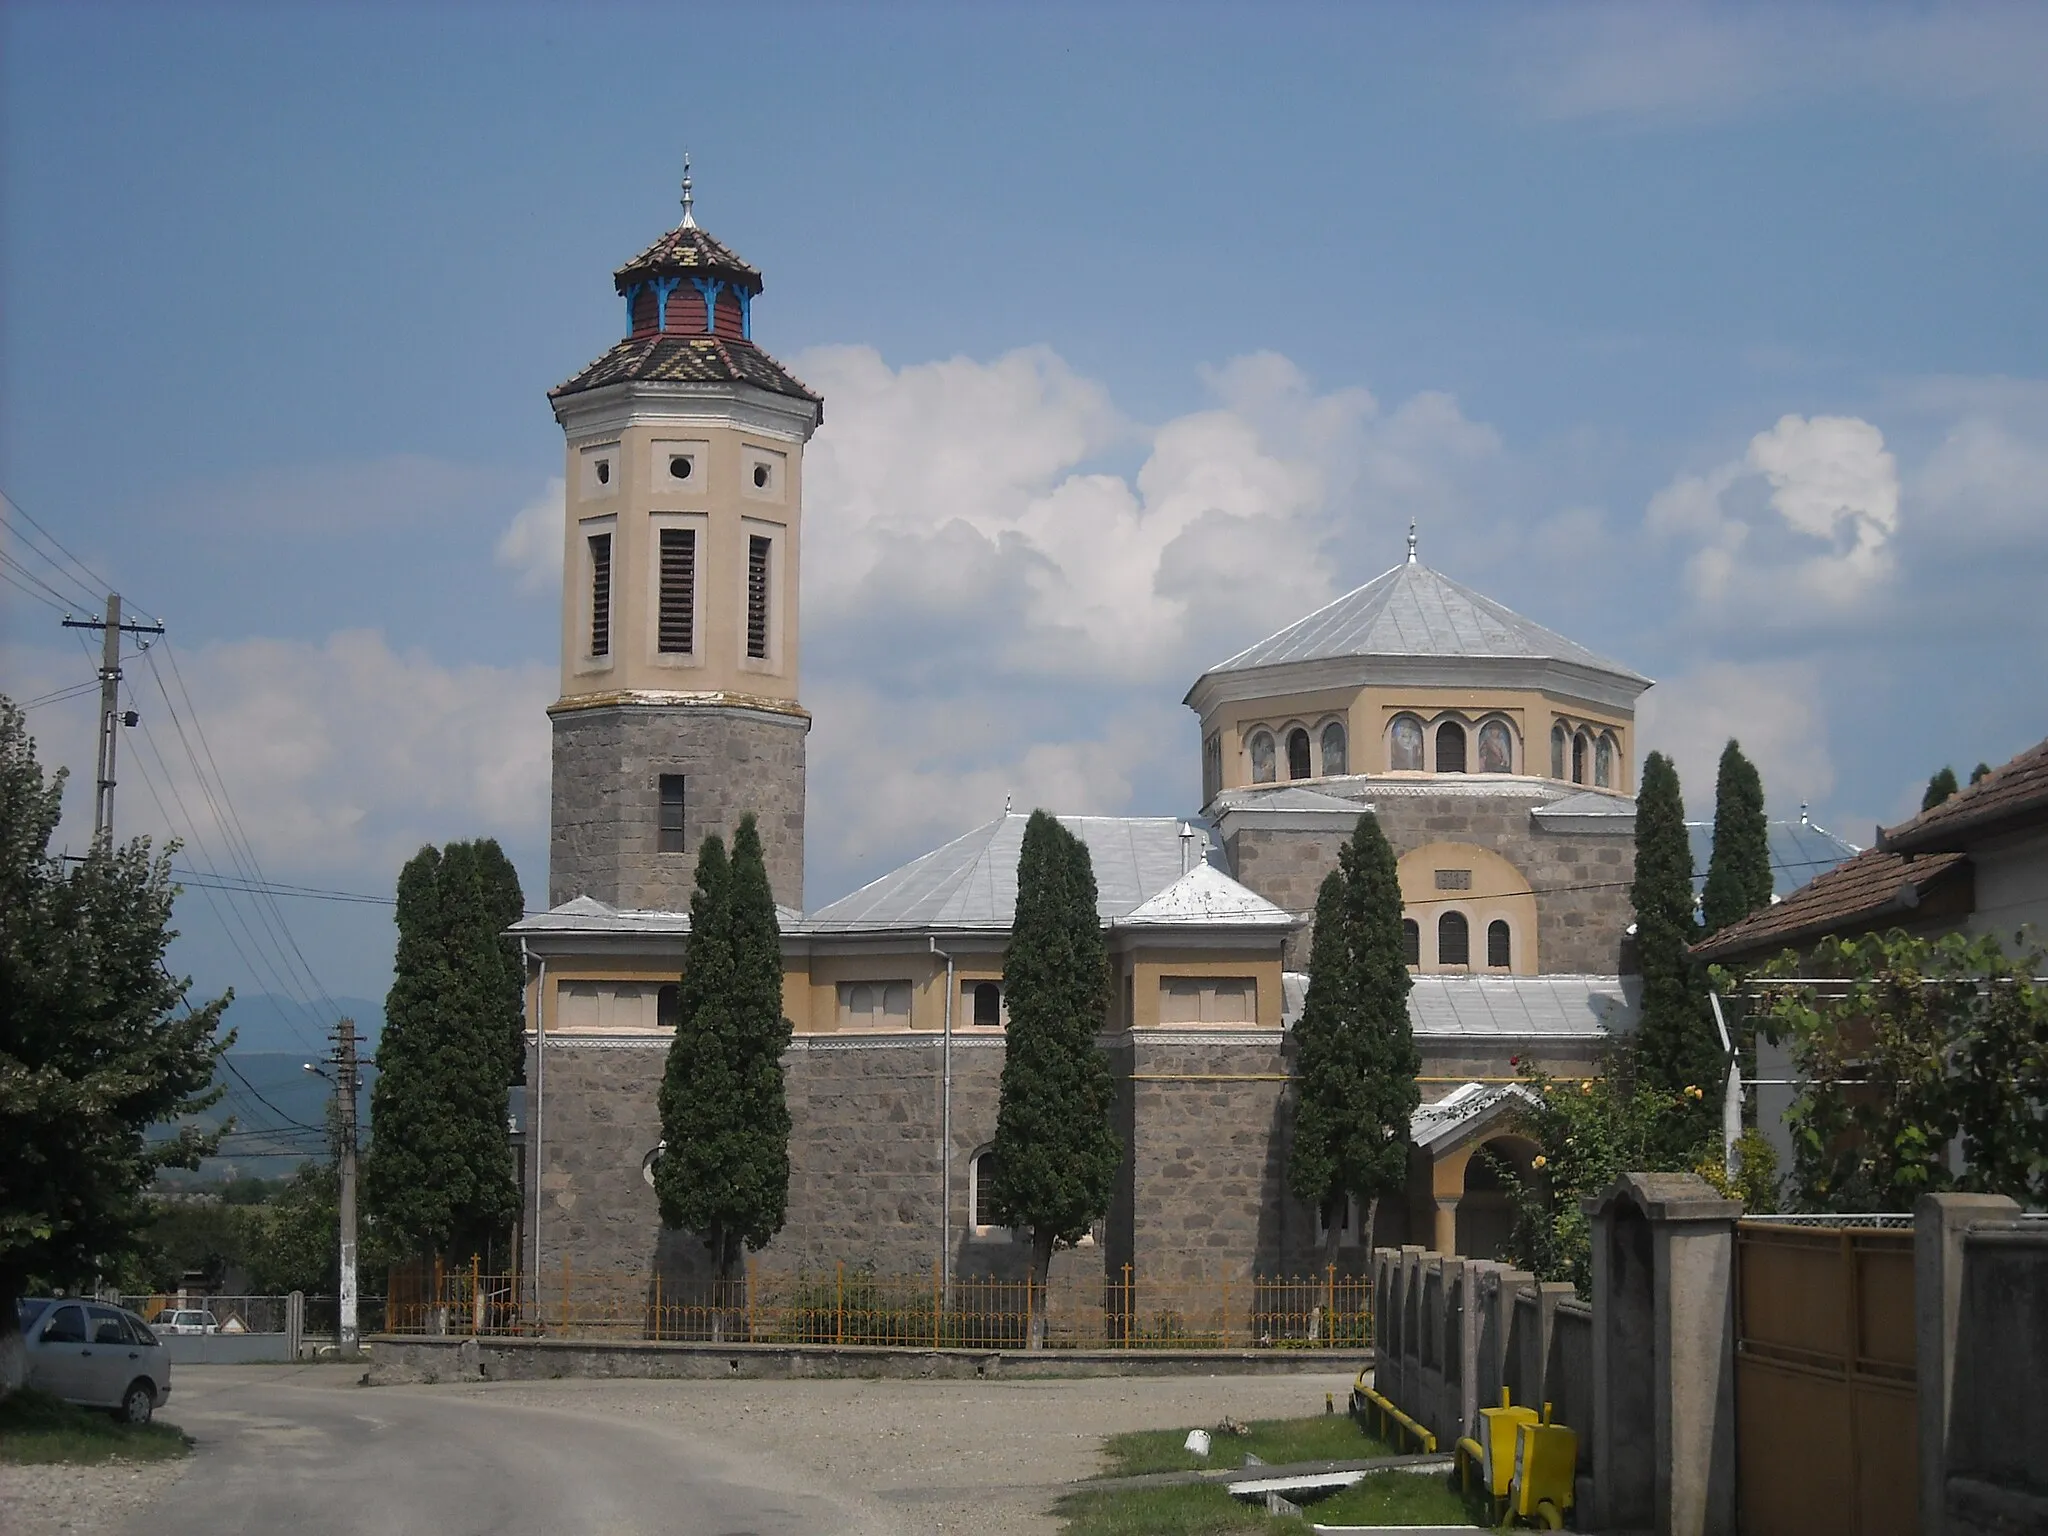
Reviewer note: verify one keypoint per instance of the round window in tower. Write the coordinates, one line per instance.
(760, 477)
(680, 467)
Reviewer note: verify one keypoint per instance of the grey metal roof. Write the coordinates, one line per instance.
(1434, 1125)
(1524, 1007)
(971, 882)
(1414, 611)
(1801, 851)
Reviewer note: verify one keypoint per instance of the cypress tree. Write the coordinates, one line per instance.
(438, 1178)
(1055, 1150)
(1939, 788)
(1676, 1049)
(1979, 773)
(503, 903)
(1739, 872)
(724, 1113)
(1355, 1055)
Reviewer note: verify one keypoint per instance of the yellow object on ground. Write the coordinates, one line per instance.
(1546, 1459)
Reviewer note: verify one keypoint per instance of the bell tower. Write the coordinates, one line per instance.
(680, 638)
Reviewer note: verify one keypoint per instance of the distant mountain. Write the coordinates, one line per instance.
(267, 1023)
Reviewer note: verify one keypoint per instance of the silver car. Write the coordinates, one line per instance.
(96, 1356)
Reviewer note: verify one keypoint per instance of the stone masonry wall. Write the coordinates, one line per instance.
(606, 801)
(1287, 868)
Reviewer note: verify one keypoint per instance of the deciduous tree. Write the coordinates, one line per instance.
(1356, 1060)
(1055, 1150)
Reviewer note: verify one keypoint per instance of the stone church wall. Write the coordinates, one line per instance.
(607, 763)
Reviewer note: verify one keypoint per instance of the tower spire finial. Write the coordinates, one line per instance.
(689, 200)
(1411, 541)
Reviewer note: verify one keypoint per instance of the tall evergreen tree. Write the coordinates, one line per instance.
(1939, 788)
(1739, 872)
(1055, 1151)
(1356, 1061)
(724, 1174)
(96, 1044)
(501, 903)
(1979, 773)
(438, 1178)
(1676, 1048)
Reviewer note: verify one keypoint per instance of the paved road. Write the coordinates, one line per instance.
(307, 1453)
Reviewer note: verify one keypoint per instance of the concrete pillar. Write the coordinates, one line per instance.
(1939, 1223)
(1664, 1355)
(1446, 1237)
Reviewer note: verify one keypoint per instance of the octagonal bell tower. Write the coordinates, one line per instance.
(680, 637)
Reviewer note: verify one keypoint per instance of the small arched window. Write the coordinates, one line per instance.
(1262, 757)
(1582, 745)
(1298, 765)
(1498, 954)
(981, 1174)
(1603, 762)
(1334, 761)
(1411, 942)
(1558, 738)
(1450, 747)
(1496, 747)
(668, 1006)
(1404, 745)
(1453, 940)
(988, 1005)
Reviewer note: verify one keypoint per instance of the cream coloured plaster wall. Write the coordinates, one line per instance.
(721, 503)
(1139, 971)
(1498, 892)
(2011, 880)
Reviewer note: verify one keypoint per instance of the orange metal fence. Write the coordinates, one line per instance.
(849, 1305)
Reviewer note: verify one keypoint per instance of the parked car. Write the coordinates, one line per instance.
(96, 1356)
(187, 1320)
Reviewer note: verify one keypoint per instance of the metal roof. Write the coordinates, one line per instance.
(1433, 1125)
(1801, 851)
(971, 882)
(1523, 1007)
(1412, 610)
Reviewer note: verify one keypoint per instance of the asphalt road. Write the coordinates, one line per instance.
(305, 1452)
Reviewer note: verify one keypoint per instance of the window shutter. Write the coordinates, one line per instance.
(757, 597)
(676, 627)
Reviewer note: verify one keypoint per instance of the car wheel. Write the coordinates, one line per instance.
(137, 1403)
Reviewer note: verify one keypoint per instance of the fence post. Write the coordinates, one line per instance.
(750, 1271)
(936, 1303)
(1129, 1302)
(839, 1303)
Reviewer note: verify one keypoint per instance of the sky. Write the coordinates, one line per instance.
(1712, 337)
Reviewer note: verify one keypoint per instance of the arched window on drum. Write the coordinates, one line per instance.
(1262, 757)
(1334, 756)
(1453, 940)
(1496, 747)
(1450, 747)
(1603, 761)
(1560, 747)
(1404, 745)
(1298, 765)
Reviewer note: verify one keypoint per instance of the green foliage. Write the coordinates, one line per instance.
(299, 1244)
(38, 1428)
(438, 1177)
(724, 1172)
(1588, 1132)
(1755, 1180)
(1356, 1059)
(1676, 1048)
(1056, 1152)
(1739, 872)
(1916, 1042)
(1939, 788)
(1979, 773)
(203, 1236)
(96, 1043)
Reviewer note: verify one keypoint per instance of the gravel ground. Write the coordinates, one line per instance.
(937, 1456)
(81, 1501)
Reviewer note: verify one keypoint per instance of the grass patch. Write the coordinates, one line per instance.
(1323, 1437)
(36, 1427)
(1384, 1498)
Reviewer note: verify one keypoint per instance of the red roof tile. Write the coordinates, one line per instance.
(687, 360)
(1851, 897)
(2009, 798)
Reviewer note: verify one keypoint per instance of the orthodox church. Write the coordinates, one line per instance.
(1495, 754)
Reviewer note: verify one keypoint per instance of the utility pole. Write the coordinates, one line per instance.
(111, 629)
(345, 1080)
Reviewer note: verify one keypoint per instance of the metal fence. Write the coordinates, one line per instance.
(849, 1305)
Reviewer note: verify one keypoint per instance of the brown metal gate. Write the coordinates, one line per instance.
(1826, 1415)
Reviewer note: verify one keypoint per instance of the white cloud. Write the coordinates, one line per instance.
(1831, 483)
(531, 544)
(1776, 709)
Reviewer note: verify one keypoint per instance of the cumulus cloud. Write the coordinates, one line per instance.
(1776, 709)
(1834, 489)
(531, 545)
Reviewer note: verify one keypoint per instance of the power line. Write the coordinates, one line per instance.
(93, 583)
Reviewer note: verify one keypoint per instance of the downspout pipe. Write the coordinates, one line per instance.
(946, 1135)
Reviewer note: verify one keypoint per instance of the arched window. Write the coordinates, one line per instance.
(1298, 766)
(1411, 942)
(1333, 748)
(1450, 747)
(1262, 757)
(668, 1006)
(988, 1005)
(1496, 747)
(1498, 955)
(1581, 750)
(1404, 745)
(1558, 737)
(1603, 762)
(981, 1173)
(1453, 940)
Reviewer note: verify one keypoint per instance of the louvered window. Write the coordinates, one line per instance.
(669, 828)
(600, 594)
(676, 627)
(757, 597)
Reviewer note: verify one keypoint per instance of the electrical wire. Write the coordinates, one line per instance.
(93, 585)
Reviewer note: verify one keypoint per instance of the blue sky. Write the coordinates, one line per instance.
(1712, 337)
